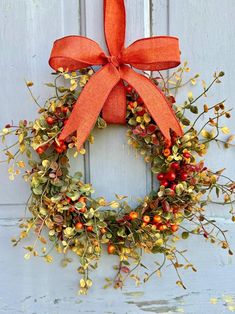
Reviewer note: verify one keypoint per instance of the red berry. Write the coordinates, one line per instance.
(139, 100)
(131, 105)
(64, 147)
(187, 155)
(164, 183)
(171, 193)
(175, 165)
(128, 89)
(175, 210)
(173, 186)
(141, 112)
(64, 109)
(192, 168)
(184, 176)
(170, 176)
(171, 99)
(174, 228)
(40, 150)
(50, 120)
(59, 150)
(167, 143)
(160, 176)
(151, 128)
(68, 199)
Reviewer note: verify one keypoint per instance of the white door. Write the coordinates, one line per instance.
(28, 28)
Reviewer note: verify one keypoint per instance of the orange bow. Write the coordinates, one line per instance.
(105, 90)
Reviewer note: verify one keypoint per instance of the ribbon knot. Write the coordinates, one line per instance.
(105, 91)
(114, 60)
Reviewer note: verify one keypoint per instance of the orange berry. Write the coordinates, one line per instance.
(174, 228)
(89, 228)
(79, 226)
(82, 199)
(111, 249)
(157, 219)
(83, 210)
(133, 215)
(72, 209)
(103, 230)
(146, 218)
(144, 224)
(166, 152)
(162, 227)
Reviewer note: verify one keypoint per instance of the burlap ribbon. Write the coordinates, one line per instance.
(106, 90)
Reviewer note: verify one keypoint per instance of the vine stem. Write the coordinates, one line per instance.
(32, 95)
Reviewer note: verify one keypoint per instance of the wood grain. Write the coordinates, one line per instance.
(114, 167)
(27, 30)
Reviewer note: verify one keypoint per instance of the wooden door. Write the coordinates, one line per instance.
(27, 30)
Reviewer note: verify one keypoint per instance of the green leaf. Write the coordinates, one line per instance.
(73, 195)
(179, 188)
(132, 122)
(194, 109)
(37, 190)
(56, 198)
(77, 177)
(185, 235)
(185, 121)
(101, 123)
(175, 149)
(121, 232)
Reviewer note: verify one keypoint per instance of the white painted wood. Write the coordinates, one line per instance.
(206, 31)
(114, 168)
(27, 30)
(36, 287)
(159, 27)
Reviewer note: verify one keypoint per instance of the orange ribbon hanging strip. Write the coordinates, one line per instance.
(105, 90)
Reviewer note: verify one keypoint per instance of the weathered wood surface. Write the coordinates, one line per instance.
(28, 28)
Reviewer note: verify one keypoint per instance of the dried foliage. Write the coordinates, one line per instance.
(62, 204)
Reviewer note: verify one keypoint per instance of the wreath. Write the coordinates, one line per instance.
(61, 204)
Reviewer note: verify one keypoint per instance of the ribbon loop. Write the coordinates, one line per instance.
(76, 52)
(153, 54)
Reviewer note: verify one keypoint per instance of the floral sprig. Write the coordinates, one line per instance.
(63, 205)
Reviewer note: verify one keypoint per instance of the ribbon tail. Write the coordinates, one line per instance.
(90, 102)
(114, 110)
(154, 100)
